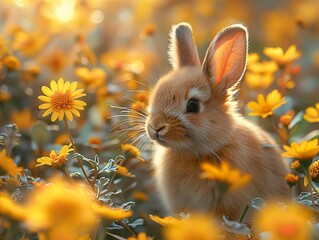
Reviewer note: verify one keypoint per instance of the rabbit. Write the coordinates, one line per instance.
(192, 118)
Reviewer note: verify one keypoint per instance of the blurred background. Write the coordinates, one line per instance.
(117, 50)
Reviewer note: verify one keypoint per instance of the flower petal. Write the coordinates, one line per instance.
(47, 91)
(61, 115)
(66, 86)
(53, 86)
(44, 98)
(54, 116)
(69, 115)
(47, 112)
(73, 86)
(79, 103)
(75, 112)
(45, 106)
(60, 84)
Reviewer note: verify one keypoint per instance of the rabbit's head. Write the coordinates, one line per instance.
(190, 108)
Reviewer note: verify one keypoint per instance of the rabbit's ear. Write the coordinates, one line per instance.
(226, 57)
(182, 50)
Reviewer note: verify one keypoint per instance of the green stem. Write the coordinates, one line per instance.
(8, 235)
(66, 173)
(101, 231)
(119, 162)
(75, 150)
(220, 189)
(312, 199)
(96, 172)
(127, 228)
(243, 214)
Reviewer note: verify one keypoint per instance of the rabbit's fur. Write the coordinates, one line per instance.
(183, 140)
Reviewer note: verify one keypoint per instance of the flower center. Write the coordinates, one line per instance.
(62, 101)
(288, 230)
(58, 160)
(268, 108)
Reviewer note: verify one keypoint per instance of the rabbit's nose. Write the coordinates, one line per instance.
(157, 132)
(158, 129)
(160, 132)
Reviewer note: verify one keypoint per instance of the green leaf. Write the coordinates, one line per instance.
(258, 203)
(312, 135)
(298, 117)
(116, 236)
(235, 227)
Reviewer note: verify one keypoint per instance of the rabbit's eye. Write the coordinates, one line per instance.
(192, 106)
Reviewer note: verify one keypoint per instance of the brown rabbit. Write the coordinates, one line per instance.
(192, 118)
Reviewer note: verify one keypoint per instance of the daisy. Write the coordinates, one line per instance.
(61, 100)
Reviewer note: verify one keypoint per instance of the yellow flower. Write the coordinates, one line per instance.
(140, 236)
(28, 43)
(138, 106)
(125, 59)
(142, 97)
(56, 160)
(306, 150)
(291, 179)
(265, 67)
(61, 233)
(10, 209)
(55, 60)
(124, 171)
(148, 30)
(12, 183)
(30, 73)
(257, 80)
(23, 119)
(130, 150)
(61, 99)
(260, 74)
(287, 117)
(61, 207)
(196, 227)
(265, 106)
(282, 223)
(7, 165)
(295, 164)
(3, 47)
(313, 172)
(166, 221)
(140, 196)
(278, 55)
(84, 237)
(91, 79)
(224, 174)
(11, 62)
(95, 140)
(312, 114)
(110, 213)
(253, 57)
(5, 95)
(62, 139)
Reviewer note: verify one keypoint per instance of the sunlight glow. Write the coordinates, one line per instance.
(61, 10)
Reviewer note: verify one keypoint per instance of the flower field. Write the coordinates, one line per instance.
(76, 79)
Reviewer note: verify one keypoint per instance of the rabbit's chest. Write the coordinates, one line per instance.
(180, 183)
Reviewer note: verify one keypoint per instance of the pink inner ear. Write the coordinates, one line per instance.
(229, 52)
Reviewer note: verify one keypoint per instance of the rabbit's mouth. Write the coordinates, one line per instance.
(157, 134)
(166, 133)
